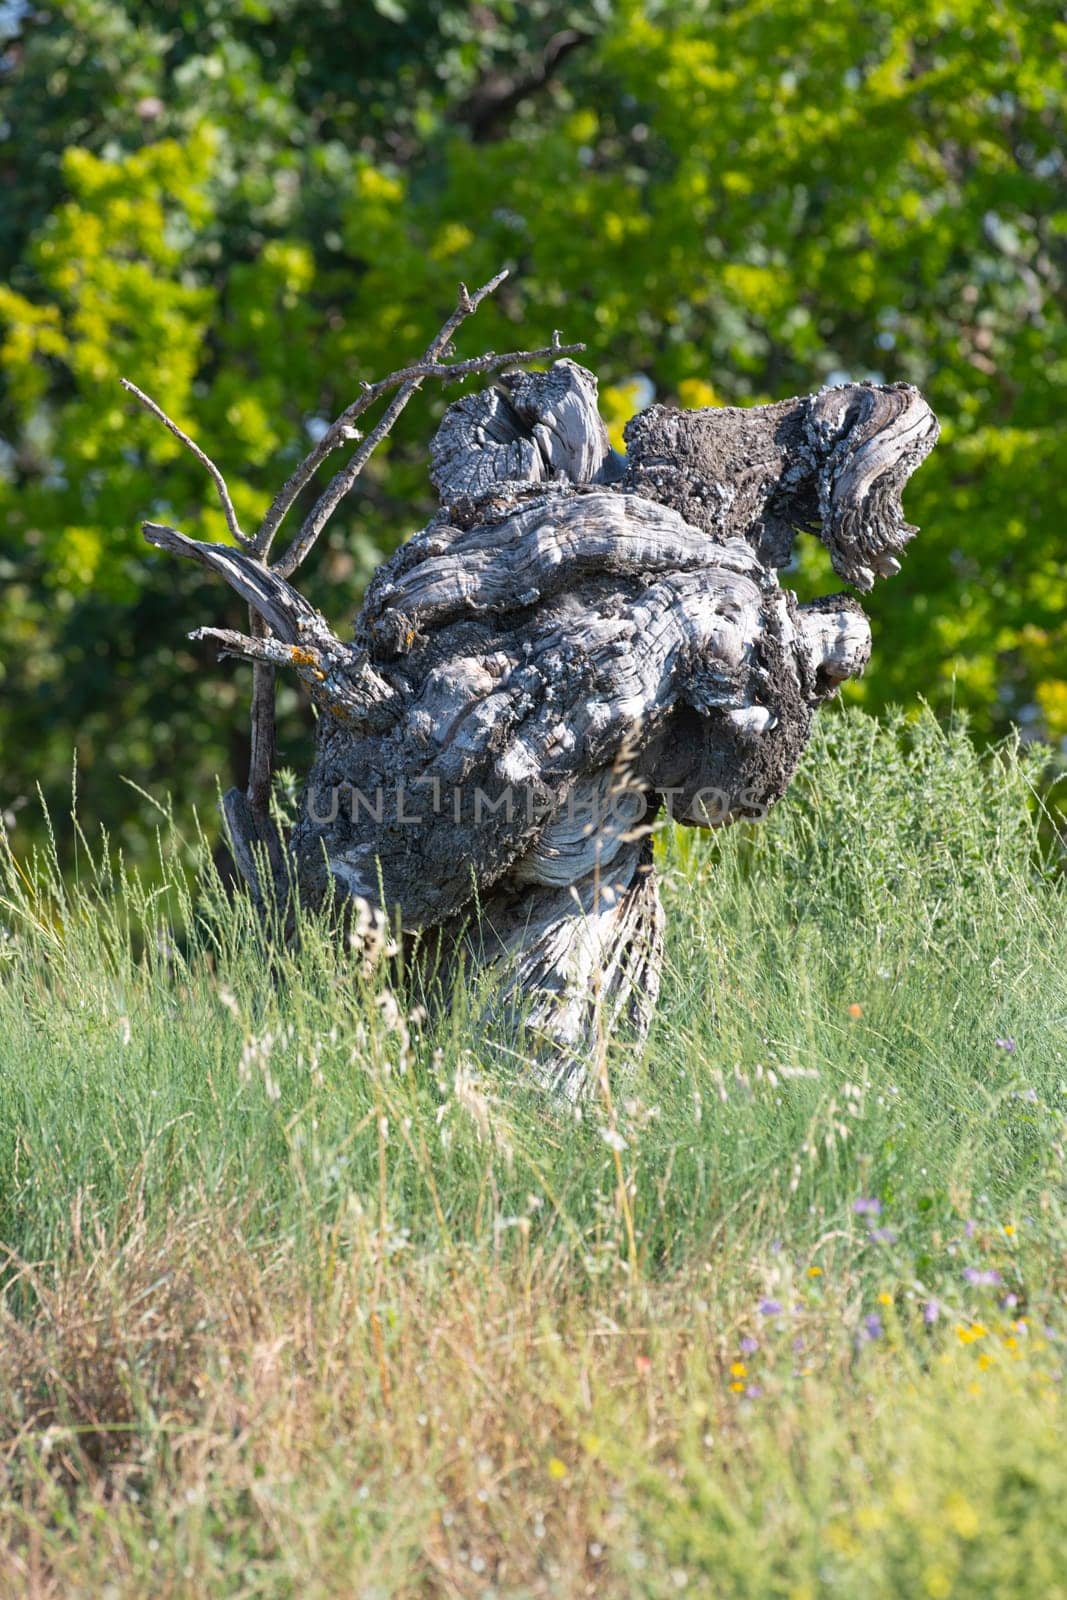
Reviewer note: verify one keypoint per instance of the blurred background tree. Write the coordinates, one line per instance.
(248, 205)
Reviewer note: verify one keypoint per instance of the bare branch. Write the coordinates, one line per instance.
(261, 758)
(342, 432)
(205, 461)
(285, 611)
(466, 305)
(498, 93)
(339, 486)
(245, 647)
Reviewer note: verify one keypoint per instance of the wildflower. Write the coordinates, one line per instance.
(855, 1011)
(738, 1370)
(882, 1236)
(737, 1386)
(642, 1364)
(968, 1335)
(931, 1312)
(1009, 1229)
(1007, 1045)
(814, 1272)
(981, 1277)
(872, 1326)
(962, 1517)
(885, 1299)
(557, 1469)
(770, 1308)
(753, 1391)
(867, 1206)
(749, 1346)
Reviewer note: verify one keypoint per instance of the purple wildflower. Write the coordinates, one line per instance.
(798, 1344)
(981, 1277)
(753, 1391)
(931, 1312)
(872, 1326)
(970, 1227)
(1005, 1044)
(882, 1236)
(770, 1308)
(749, 1346)
(867, 1206)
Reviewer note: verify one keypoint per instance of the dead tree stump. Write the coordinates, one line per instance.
(577, 643)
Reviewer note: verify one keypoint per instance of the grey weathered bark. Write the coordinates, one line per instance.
(575, 644)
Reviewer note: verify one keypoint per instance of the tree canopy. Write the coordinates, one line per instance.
(247, 206)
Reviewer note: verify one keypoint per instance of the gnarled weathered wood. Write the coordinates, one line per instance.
(576, 644)
(533, 428)
(834, 463)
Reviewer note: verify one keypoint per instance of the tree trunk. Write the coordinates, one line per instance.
(576, 644)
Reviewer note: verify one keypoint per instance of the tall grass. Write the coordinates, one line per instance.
(307, 1297)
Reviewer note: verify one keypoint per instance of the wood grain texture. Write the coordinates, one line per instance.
(834, 463)
(576, 645)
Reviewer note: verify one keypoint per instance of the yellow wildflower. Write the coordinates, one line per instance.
(961, 1516)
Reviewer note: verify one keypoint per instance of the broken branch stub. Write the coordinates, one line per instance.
(577, 644)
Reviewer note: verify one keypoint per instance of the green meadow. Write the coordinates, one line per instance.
(307, 1295)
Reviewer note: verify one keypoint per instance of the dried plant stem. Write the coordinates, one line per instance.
(205, 461)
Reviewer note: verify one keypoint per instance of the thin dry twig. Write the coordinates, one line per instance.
(205, 460)
(342, 432)
(249, 647)
(341, 483)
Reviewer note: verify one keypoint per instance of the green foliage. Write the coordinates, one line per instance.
(302, 1297)
(246, 207)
